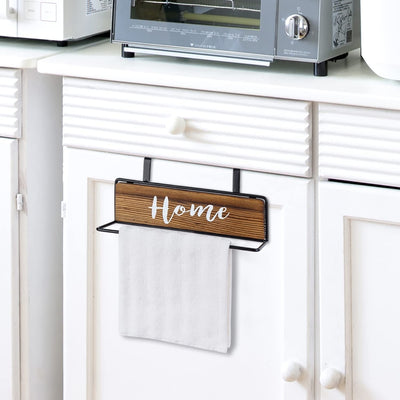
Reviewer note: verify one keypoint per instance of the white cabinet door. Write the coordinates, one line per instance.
(359, 270)
(9, 271)
(272, 295)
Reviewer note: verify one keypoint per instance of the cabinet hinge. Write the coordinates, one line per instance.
(19, 202)
(63, 209)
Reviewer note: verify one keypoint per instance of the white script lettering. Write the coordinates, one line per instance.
(180, 210)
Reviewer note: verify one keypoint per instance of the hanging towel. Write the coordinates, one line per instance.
(175, 287)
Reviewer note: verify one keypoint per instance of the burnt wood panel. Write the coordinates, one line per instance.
(185, 209)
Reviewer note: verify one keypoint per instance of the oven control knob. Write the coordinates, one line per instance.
(296, 26)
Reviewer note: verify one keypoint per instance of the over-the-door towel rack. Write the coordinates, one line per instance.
(242, 217)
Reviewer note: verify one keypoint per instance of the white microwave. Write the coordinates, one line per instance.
(56, 20)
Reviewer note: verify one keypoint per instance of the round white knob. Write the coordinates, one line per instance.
(175, 125)
(291, 371)
(330, 378)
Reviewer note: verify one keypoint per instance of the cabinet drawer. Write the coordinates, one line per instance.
(235, 131)
(10, 103)
(359, 144)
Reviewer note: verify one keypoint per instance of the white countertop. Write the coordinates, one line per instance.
(24, 53)
(350, 81)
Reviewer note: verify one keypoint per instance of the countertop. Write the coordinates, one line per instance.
(349, 81)
(25, 53)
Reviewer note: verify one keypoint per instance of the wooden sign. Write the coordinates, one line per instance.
(190, 209)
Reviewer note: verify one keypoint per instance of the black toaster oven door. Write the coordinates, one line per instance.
(234, 28)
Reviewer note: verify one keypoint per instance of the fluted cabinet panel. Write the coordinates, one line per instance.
(10, 102)
(359, 144)
(237, 131)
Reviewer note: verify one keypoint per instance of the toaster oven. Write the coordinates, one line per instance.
(57, 20)
(244, 31)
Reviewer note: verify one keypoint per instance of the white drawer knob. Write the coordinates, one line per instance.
(291, 371)
(330, 378)
(175, 125)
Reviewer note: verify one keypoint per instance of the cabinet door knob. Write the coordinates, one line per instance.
(175, 125)
(330, 378)
(291, 371)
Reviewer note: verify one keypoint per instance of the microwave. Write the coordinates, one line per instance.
(55, 20)
(380, 46)
(243, 31)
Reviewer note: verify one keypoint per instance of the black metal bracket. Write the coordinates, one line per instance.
(236, 181)
(147, 169)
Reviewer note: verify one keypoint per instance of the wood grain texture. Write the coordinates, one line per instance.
(221, 214)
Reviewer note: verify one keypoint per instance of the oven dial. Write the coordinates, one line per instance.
(296, 26)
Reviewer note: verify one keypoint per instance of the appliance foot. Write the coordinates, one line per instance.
(126, 54)
(62, 43)
(341, 57)
(321, 69)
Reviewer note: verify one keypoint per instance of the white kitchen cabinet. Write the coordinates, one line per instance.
(30, 221)
(30, 238)
(9, 271)
(260, 120)
(359, 230)
(272, 303)
(107, 128)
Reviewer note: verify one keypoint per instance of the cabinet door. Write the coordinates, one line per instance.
(359, 276)
(9, 271)
(272, 295)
